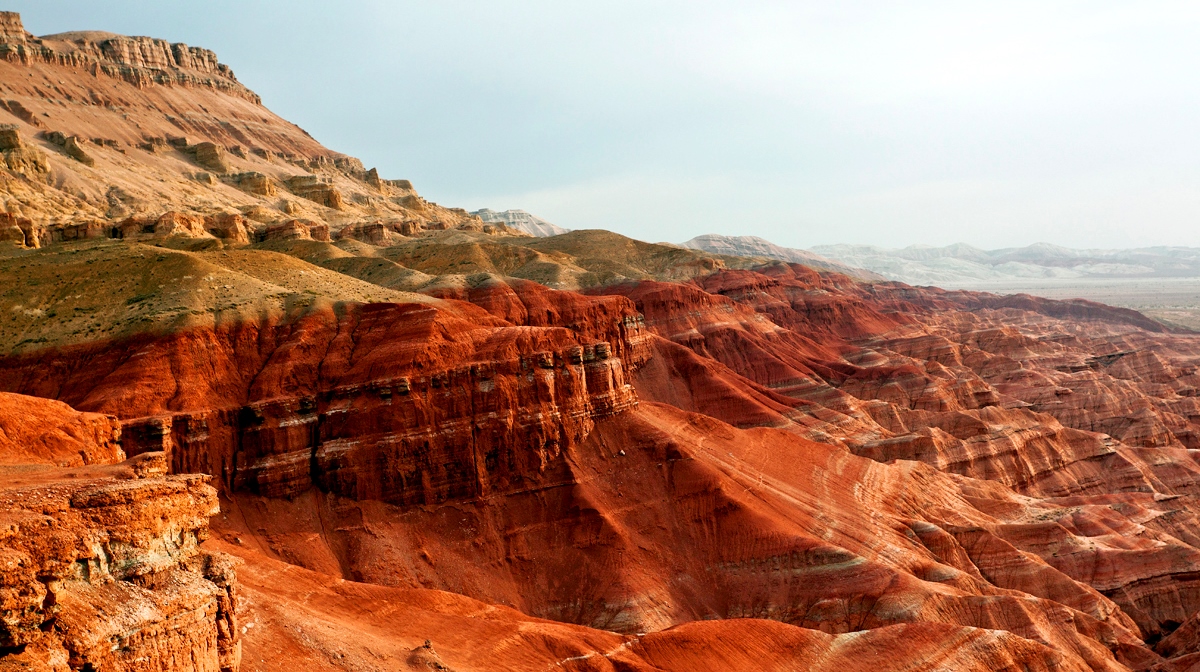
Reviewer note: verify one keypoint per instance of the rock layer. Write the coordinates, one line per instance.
(102, 567)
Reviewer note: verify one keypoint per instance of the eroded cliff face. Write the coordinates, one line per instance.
(491, 445)
(140, 61)
(1034, 397)
(102, 565)
(407, 404)
(111, 136)
(41, 431)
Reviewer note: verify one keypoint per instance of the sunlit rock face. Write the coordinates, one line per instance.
(103, 567)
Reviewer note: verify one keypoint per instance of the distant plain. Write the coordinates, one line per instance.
(1172, 301)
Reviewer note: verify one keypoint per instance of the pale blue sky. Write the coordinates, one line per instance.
(807, 123)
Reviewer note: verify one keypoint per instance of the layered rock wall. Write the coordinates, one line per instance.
(401, 403)
(140, 61)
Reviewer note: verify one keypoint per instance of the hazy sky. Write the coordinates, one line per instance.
(806, 123)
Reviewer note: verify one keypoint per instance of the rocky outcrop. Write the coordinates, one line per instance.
(230, 227)
(254, 183)
(382, 234)
(102, 567)
(140, 61)
(522, 221)
(294, 229)
(22, 231)
(105, 572)
(42, 431)
(317, 189)
(209, 156)
(70, 146)
(179, 224)
(417, 405)
(19, 156)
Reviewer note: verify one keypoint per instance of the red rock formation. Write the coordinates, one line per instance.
(379, 401)
(391, 430)
(820, 473)
(41, 431)
(303, 618)
(101, 564)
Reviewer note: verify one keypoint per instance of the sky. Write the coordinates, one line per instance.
(807, 123)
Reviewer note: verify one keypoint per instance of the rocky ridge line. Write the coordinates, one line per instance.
(140, 61)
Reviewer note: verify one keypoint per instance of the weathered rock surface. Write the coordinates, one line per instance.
(521, 221)
(304, 618)
(102, 567)
(42, 431)
(105, 127)
(398, 425)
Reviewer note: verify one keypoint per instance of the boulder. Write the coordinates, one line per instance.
(317, 189)
(75, 150)
(295, 229)
(254, 183)
(178, 224)
(21, 230)
(228, 226)
(382, 234)
(10, 138)
(210, 156)
(19, 157)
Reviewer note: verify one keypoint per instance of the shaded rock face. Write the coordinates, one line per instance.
(317, 189)
(294, 229)
(20, 157)
(255, 183)
(379, 233)
(210, 156)
(102, 567)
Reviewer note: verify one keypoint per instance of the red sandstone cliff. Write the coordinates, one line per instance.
(102, 567)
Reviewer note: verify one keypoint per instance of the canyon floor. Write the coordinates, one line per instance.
(261, 408)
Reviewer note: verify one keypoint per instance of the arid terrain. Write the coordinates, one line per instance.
(1172, 301)
(1163, 282)
(262, 409)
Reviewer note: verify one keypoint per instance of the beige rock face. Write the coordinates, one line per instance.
(211, 156)
(74, 150)
(105, 127)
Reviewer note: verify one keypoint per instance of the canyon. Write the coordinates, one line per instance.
(261, 408)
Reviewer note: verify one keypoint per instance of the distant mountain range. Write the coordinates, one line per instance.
(753, 246)
(963, 264)
(521, 221)
(952, 266)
